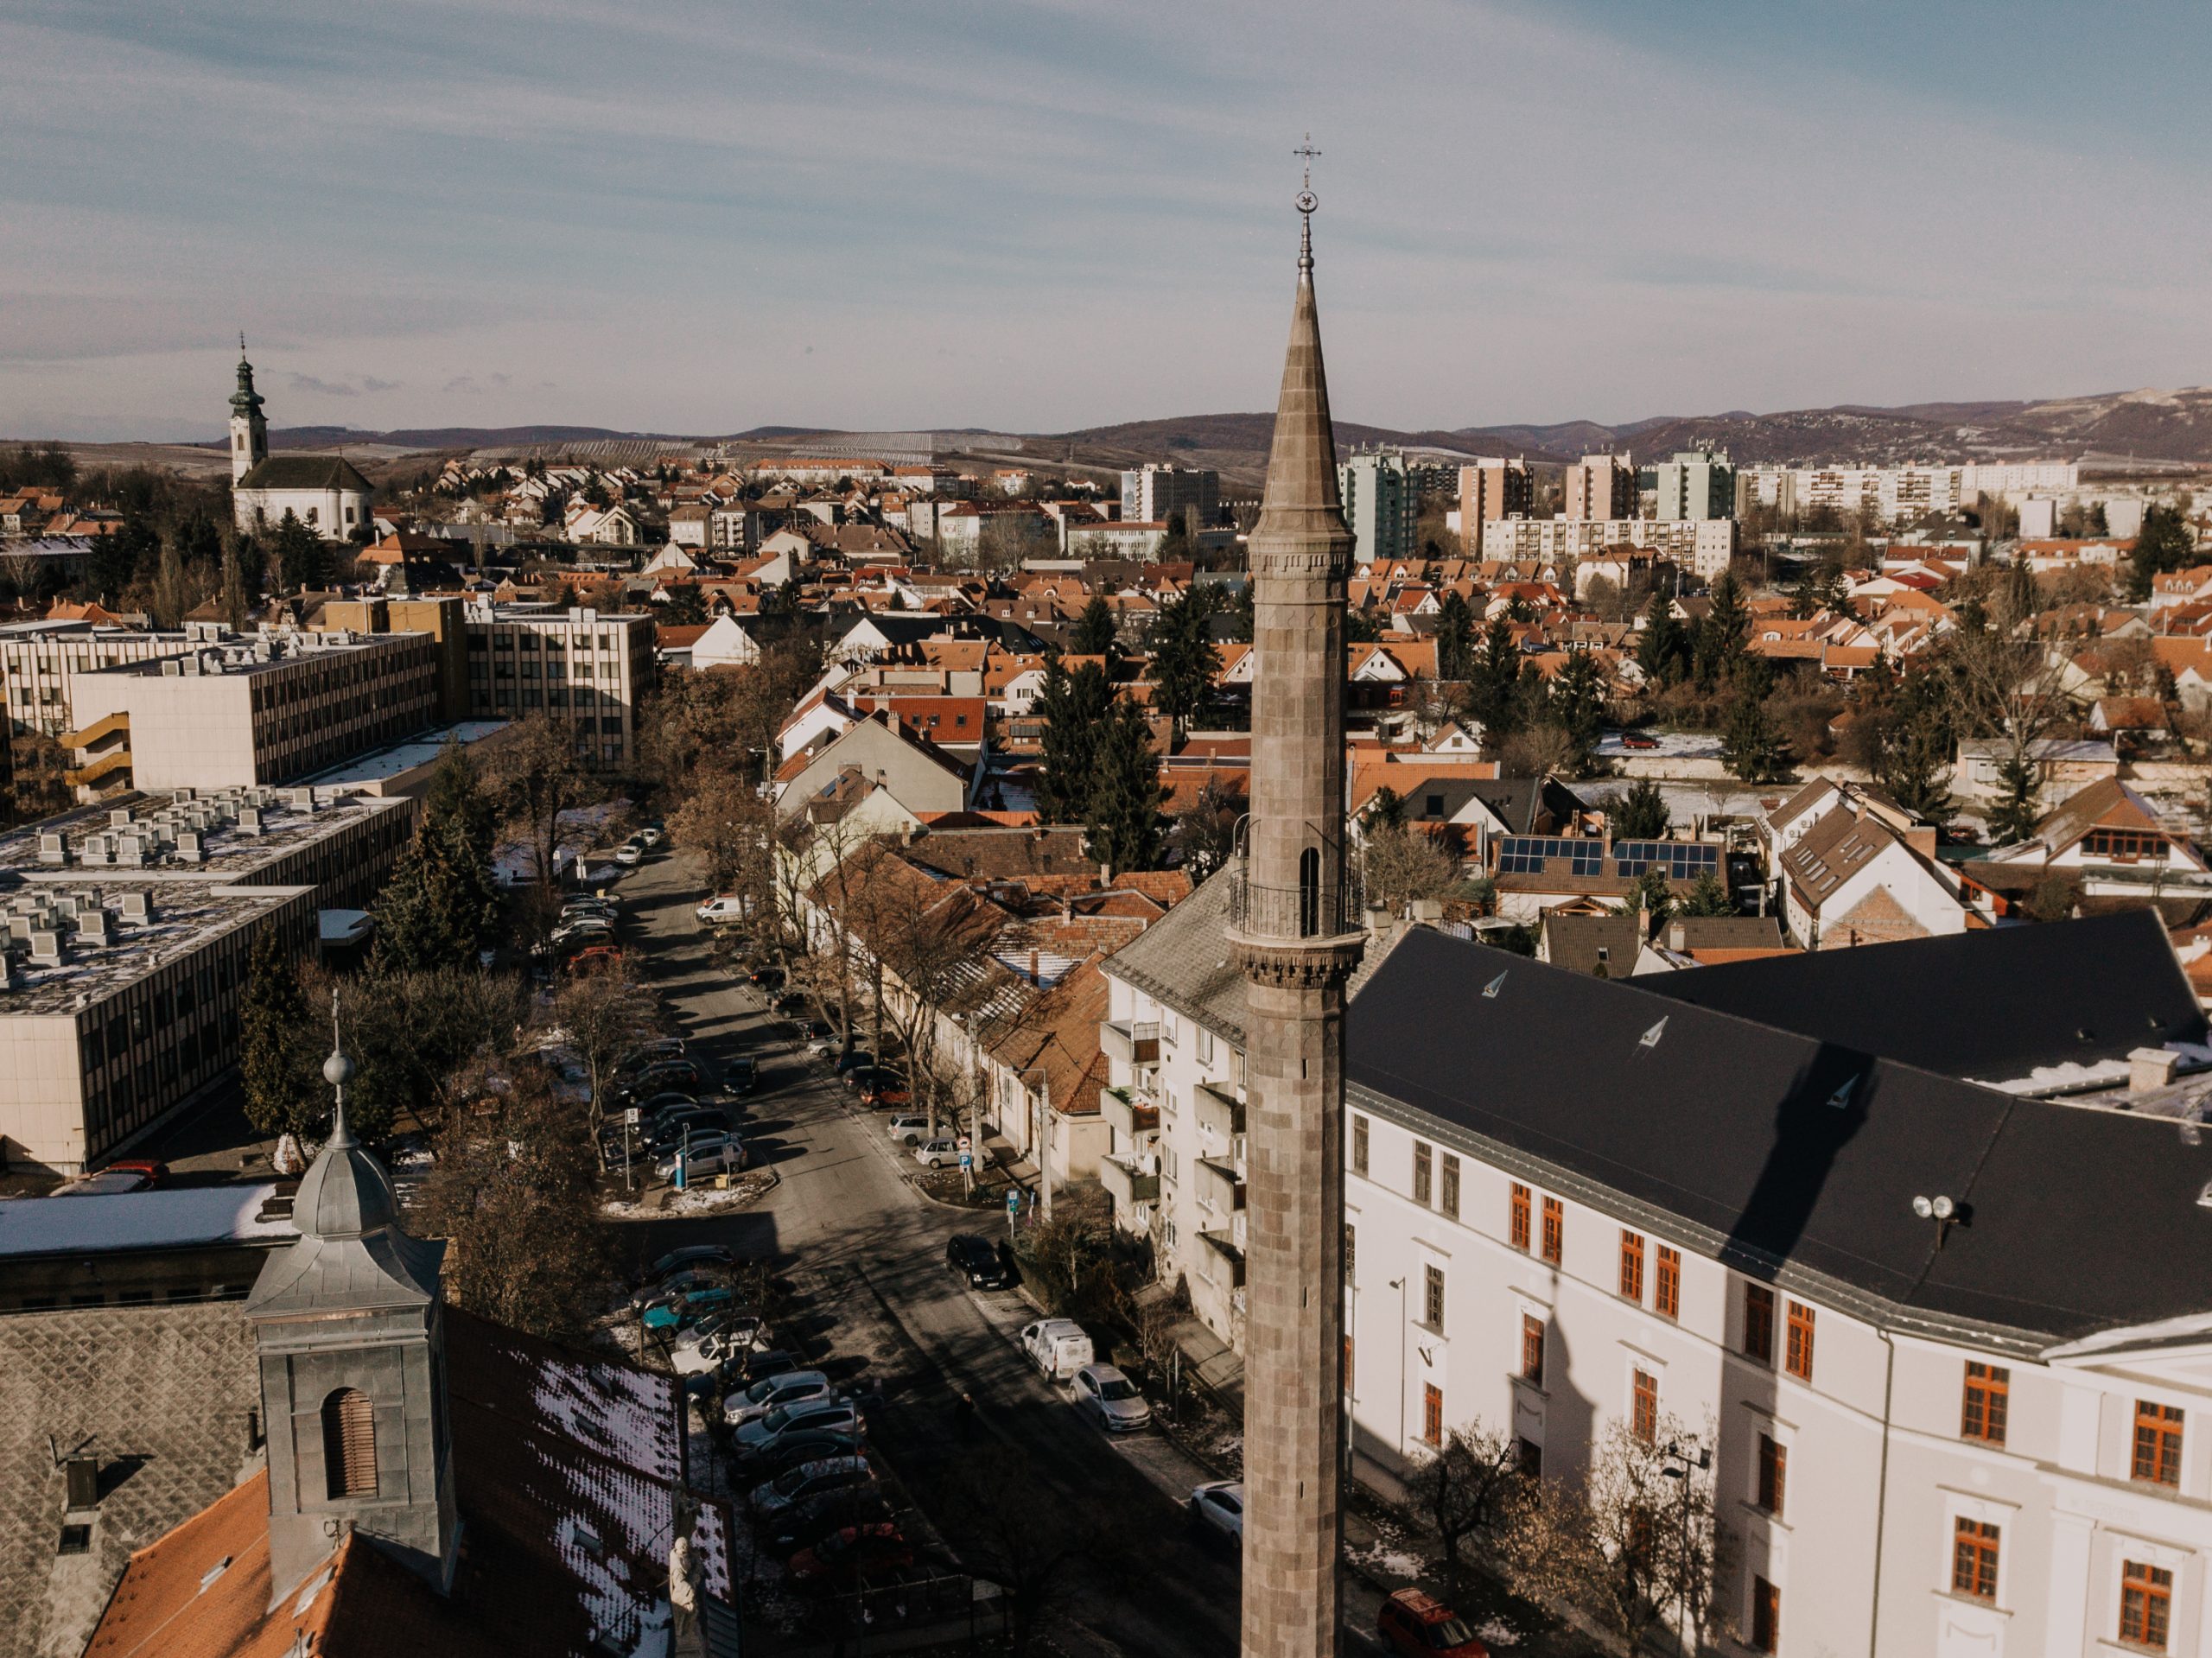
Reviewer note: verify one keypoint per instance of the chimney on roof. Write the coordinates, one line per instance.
(1677, 936)
(2151, 1068)
(1921, 839)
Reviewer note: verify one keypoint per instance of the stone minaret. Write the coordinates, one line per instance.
(249, 428)
(1296, 935)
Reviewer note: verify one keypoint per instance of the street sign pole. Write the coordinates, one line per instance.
(1013, 1208)
(629, 1157)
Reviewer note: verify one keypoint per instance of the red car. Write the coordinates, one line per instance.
(593, 957)
(156, 1172)
(1637, 739)
(1420, 1627)
(857, 1554)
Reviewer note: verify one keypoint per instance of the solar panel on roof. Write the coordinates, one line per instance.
(1679, 860)
(1530, 854)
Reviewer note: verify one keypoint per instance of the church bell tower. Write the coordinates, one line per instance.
(249, 429)
(1295, 933)
(347, 1323)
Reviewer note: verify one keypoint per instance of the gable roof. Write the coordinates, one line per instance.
(306, 472)
(1790, 1157)
(1183, 960)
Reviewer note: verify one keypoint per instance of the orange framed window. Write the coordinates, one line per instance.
(1758, 1323)
(1517, 1219)
(1973, 1559)
(2158, 1442)
(1349, 1389)
(1554, 1230)
(1773, 1474)
(1667, 1293)
(1631, 1264)
(2146, 1604)
(1432, 1413)
(1766, 1615)
(1643, 1406)
(1798, 1355)
(1532, 1348)
(1988, 1401)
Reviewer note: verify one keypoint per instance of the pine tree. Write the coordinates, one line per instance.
(1491, 701)
(301, 558)
(1072, 707)
(1094, 629)
(1123, 818)
(1709, 896)
(2162, 544)
(1455, 638)
(1720, 636)
(281, 1095)
(1653, 895)
(234, 598)
(1752, 748)
(2013, 818)
(1641, 814)
(1663, 651)
(1578, 705)
(1184, 661)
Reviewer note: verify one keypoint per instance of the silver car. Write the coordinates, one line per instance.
(811, 1479)
(1111, 1397)
(1219, 1508)
(763, 1397)
(835, 1415)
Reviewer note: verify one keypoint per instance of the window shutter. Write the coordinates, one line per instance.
(349, 1444)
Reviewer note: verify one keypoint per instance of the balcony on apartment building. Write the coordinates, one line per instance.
(1130, 1042)
(1219, 1111)
(1129, 1182)
(1219, 1187)
(1131, 1115)
(1230, 1252)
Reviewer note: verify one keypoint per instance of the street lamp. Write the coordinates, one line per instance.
(1405, 1380)
(1681, 1462)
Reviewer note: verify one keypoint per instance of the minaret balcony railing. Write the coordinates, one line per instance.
(1325, 908)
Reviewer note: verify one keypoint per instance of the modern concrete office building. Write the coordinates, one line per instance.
(1154, 493)
(242, 713)
(1380, 506)
(1489, 489)
(579, 668)
(38, 658)
(1600, 487)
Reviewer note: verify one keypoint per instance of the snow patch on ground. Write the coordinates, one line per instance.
(1498, 1633)
(698, 1200)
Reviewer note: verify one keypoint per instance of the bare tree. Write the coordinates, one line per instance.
(1466, 1489)
(1397, 864)
(604, 1014)
(1015, 1534)
(1542, 751)
(537, 776)
(724, 819)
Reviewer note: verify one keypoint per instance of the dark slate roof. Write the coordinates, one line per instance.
(1521, 803)
(1988, 1006)
(1794, 1158)
(1182, 959)
(1576, 941)
(306, 472)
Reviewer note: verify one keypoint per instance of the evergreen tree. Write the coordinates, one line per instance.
(1455, 638)
(1720, 636)
(1653, 895)
(1072, 707)
(1491, 699)
(2013, 818)
(1752, 747)
(1240, 614)
(1184, 661)
(283, 1091)
(1094, 629)
(1387, 809)
(302, 559)
(1123, 818)
(1663, 651)
(1641, 814)
(234, 598)
(2161, 545)
(120, 558)
(440, 908)
(172, 597)
(1709, 896)
(1916, 747)
(1577, 706)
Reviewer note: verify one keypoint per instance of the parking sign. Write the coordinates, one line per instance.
(1014, 1201)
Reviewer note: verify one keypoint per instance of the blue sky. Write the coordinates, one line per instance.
(1039, 214)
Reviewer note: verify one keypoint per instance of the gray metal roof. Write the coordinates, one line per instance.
(1183, 960)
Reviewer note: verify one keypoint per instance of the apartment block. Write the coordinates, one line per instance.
(1601, 486)
(38, 658)
(1696, 483)
(242, 713)
(581, 669)
(1491, 490)
(1705, 545)
(1886, 494)
(1381, 506)
(1154, 493)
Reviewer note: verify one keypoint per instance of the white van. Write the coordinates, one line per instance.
(722, 908)
(1057, 1347)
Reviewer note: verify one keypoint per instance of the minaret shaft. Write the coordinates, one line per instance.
(1296, 936)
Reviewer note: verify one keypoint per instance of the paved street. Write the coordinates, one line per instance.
(867, 1252)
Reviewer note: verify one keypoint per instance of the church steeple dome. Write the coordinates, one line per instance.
(249, 428)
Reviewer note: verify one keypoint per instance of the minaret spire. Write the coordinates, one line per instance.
(1294, 932)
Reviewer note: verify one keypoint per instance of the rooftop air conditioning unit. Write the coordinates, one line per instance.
(130, 852)
(53, 847)
(170, 668)
(249, 820)
(46, 947)
(138, 907)
(303, 800)
(187, 848)
(66, 905)
(92, 928)
(119, 818)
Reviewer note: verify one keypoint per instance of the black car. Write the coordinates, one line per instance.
(691, 1256)
(792, 1001)
(985, 1265)
(804, 1524)
(873, 1079)
(668, 1133)
(767, 1461)
(663, 1075)
(767, 978)
(743, 1076)
(855, 1058)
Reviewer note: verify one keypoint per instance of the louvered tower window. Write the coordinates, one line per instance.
(349, 1444)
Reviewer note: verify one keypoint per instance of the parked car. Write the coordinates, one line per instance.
(741, 1076)
(707, 1156)
(1420, 1626)
(809, 1479)
(721, 1343)
(759, 1366)
(821, 1041)
(1217, 1507)
(852, 1556)
(885, 1096)
(155, 1171)
(862, 1079)
(804, 1524)
(766, 978)
(690, 1258)
(631, 853)
(664, 1075)
(593, 958)
(653, 833)
(1118, 1402)
(669, 1130)
(1058, 1347)
(796, 1448)
(722, 909)
(938, 1154)
(909, 1128)
(847, 1063)
(645, 1054)
(107, 1182)
(979, 1262)
(584, 929)
(651, 1110)
(1637, 739)
(792, 1001)
(670, 1286)
(842, 1414)
(764, 1398)
(606, 908)
(683, 1313)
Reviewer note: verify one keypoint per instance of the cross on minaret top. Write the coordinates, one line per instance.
(1307, 201)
